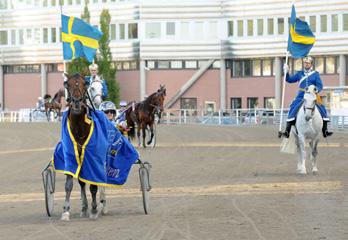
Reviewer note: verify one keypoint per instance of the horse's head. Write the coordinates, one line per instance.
(77, 89)
(96, 91)
(162, 90)
(310, 98)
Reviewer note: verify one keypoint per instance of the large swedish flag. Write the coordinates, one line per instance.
(301, 38)
(79, 39)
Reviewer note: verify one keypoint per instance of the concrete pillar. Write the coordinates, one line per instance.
(278, 82)
(44, 88)
(222, 84)
(343, 67)
(142, 80)
(1, 87)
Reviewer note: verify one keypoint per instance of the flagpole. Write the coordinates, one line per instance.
(283, 95)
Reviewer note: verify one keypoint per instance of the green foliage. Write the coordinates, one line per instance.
(104, 60)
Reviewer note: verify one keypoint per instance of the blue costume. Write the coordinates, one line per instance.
(305, 79)
(105, 87)
(106, 156)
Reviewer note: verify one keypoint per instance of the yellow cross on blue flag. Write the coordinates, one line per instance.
(79, 39)
(301, 38)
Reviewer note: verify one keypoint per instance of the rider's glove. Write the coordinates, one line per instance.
(285, 68)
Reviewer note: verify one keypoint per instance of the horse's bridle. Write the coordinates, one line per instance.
(75, 100)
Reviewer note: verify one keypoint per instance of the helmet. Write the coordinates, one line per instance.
(39, 98)
(107, 105)
(123, 103)
(308, 59)
(93, 66)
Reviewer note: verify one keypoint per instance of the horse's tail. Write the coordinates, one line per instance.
(130, 123)
(131, 132)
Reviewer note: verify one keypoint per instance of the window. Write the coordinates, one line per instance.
(170, 30)
(256, 67)
(53, 35)
(122, 31)
(313, 23)
(259, 27)
(199, 30)
(45, 35)
(3, 4)
(21, 36)
(280, 25)
(190, 64)
(153, 30)
(230, 28)
(266, 67)
(163, 64)
(53, 3)
(185, 30)
(13, 37)
(3, 38)
(37, 36)
(150, 64)
(269, 103)
(212, 30)
(176, 64)
(132, 31)
(345, 22)
(252, 102)
(270, 23)
(240, 28)
(334, 23)
(250, 27)
(125, 65)
(319, 64)
(112, 31)
(330, 65)
(247, 68)
(323, 23)
(236, 103)
(188, 103)
(237, 68)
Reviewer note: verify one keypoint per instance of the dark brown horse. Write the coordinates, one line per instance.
(77, 95)
(54, 104)
(142, 114)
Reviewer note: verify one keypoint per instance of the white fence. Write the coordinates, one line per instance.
(192, 116)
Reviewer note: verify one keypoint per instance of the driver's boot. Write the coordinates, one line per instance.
(326, 133)
(288, 129)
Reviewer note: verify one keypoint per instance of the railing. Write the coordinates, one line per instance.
(192, 116)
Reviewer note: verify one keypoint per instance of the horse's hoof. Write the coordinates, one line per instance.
(301, 171)
(103, 209)
(65, 216)
(94, 214)
(315, 172)
(84, 214)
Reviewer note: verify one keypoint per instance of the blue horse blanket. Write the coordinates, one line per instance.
(106, 157)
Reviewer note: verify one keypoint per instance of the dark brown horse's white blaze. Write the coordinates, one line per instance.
(54, 104)
(77, 89)
(142, 114)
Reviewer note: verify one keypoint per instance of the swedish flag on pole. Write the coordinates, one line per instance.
(79, 38)
(301, 38)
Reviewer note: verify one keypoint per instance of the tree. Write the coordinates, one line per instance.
(80, 65)
(104, 60)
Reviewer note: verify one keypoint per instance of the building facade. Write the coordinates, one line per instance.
(208, 53)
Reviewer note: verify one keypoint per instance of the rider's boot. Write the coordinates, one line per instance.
(288, 129)
(326, 133)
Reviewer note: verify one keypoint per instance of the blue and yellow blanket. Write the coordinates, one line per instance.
(106, 157)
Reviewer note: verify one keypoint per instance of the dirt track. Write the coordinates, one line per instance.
(208, 183)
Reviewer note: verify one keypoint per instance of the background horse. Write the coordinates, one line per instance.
(54, 104)
(142, 115)
(308, 124)
(80, 129)
(95, 91)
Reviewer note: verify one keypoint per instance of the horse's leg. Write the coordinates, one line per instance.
(48, 115)
(143, 128)
(314, 153)
(151, 135)
(84, 201)
(94, 210)
(138, 134)
(68, 188)
(301, 164)
(102, 204)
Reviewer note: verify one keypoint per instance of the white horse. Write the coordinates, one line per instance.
(95, 91)
(308, 124)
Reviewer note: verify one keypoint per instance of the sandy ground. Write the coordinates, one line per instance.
(208, 183)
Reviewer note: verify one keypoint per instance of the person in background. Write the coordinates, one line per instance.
(93, 69)
(40, 105)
